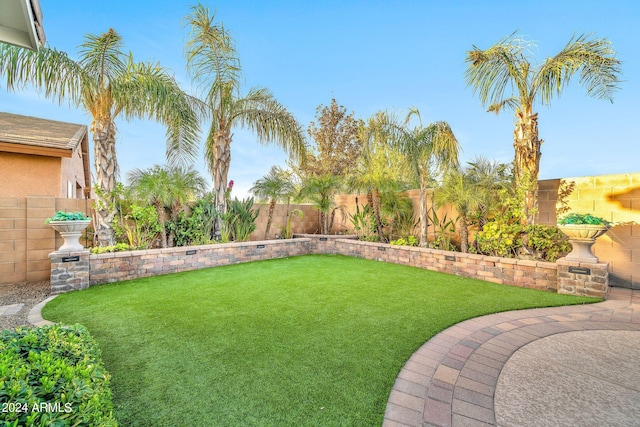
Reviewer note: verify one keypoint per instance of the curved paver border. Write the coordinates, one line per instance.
(451, 379)
(35, 314)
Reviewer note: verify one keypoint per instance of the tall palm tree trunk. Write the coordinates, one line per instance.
(107, 171)
(221, 162)
(527, 160)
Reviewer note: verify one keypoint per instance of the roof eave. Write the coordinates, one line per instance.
(28, 32)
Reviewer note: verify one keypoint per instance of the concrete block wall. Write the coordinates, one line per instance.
(26, 241)
(308, 223)
(615, 198)
(13, 240)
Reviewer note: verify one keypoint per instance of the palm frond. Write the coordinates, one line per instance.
(594, 58)
(491, 71)
(270, 120)
(512, 103)
(148, 91)
(101, 57)
(48, 70)
(212, 60)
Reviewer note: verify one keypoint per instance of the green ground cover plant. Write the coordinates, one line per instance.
(53, 375)
(577, 218)
(67, 216)
(315, 340)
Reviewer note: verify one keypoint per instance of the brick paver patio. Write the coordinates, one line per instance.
(451, 380)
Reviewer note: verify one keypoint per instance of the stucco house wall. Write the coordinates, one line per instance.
(23, 173)
(40, 157)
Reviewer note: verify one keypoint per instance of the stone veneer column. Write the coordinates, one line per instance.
(582, 278)
(69, 271)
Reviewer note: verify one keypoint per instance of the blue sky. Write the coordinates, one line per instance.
(371, 56)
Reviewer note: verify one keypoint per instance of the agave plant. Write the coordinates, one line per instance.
(239, 220)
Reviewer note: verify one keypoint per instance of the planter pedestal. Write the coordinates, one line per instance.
(71, 231)
(582, 237)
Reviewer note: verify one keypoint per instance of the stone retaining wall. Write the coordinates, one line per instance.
(508, 271)
(562, 277)
(113, 267)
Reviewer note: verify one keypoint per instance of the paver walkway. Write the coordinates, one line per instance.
(453, 379)
(8, 310)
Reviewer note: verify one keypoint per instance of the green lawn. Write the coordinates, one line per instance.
(315, 340)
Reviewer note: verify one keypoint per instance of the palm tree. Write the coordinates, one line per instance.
(166, 187)
(274, 186)
(490, 178)
(214, 65)
(428, 152)
(506, 65)
(459, 189)
(321, 190)
(107, 83)
(379, 166)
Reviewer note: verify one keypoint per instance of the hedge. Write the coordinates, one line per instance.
(54, 376)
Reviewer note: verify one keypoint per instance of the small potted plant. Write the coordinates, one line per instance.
(583, 230)
(70, 226)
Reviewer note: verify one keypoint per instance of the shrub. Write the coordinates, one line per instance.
(239, 220)
(119, 247)
(54, 376)
(499, 239)
(409, 241)
(542, 242)
(546, 242)
(195, 228)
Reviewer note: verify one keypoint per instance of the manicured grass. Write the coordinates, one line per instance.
(306, 341)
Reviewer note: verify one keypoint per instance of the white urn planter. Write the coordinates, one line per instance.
(71, 231)
(582, 237)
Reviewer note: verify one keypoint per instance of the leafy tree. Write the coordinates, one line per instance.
(274, 186)
(337, 146)
(428, 152)
(107, 83)
(506, 65)
(213, 62)
(166, 187)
